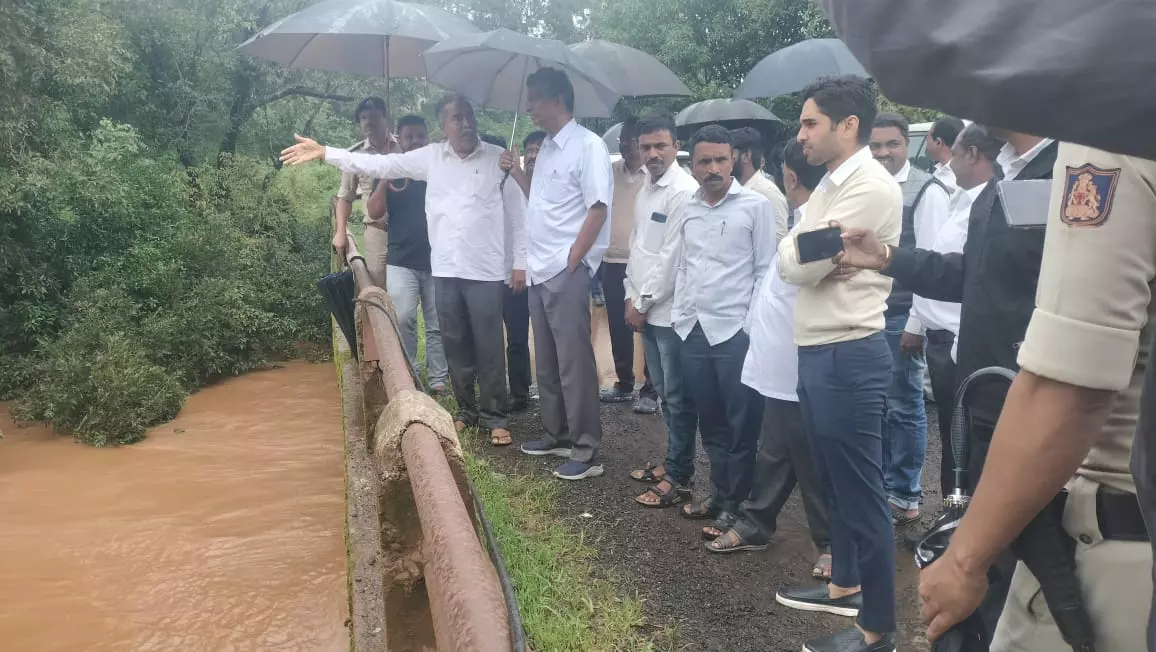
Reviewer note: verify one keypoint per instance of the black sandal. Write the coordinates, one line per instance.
(669, 498)
(739, 546)
(647, 475)
(700, 510)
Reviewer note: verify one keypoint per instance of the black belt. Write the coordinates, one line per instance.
(1119, 516)
(939, 336)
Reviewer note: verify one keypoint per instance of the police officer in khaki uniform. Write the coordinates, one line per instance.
(372, 117)
(1078, 391)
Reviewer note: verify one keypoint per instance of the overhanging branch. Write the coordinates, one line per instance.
(301, 91)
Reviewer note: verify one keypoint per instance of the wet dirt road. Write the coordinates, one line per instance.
(223, 531)
(715, 602)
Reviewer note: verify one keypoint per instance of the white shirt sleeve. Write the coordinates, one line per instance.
(514, 205)
(410, 165)
(597, 175)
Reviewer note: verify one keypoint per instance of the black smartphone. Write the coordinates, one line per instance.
(819, 245)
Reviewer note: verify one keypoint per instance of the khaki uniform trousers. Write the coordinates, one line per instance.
(1115, 579)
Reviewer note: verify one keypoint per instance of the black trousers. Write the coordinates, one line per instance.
(621, 336)
(943, 384)
(516, 315)
(782, 461)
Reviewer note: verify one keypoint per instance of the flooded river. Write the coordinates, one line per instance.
(223, 531)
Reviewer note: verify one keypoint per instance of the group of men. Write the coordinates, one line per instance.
(807, 373)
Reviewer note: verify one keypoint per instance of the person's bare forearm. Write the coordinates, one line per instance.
(595, 218)
(375, 205)
(342, 212)
(1044, 432)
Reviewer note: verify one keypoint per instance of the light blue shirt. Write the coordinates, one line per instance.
(727, 250)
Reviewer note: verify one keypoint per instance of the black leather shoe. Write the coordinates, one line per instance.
(850, 640)
(816, 598)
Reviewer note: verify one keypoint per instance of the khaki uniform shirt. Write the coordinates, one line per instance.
(626, 186)
(1095, 292)
(766, 187)
(354, 187)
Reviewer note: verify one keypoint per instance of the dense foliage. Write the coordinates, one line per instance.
(148, 242)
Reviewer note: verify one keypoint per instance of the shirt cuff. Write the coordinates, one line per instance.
(643, 304)
(914, 326)
(1079, 353)
(902, 264)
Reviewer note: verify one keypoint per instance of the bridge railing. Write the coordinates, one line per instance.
(466, 601)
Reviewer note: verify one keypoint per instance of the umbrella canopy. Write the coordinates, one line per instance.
(793, 67)
(365, 37)
(722, 111)
(491, 70)
(632, 72)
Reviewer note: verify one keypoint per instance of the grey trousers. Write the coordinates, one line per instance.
(564, 359)
(470, 316)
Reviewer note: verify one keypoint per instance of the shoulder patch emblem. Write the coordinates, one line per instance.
(1088, 193)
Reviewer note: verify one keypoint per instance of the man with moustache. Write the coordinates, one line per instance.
(468, 211)
(727, 238)
(373, 120)
(650, 276)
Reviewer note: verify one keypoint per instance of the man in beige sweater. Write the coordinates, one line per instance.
(845, 365)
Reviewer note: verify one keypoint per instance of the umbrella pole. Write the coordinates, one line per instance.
(388, 113)
(513, 131)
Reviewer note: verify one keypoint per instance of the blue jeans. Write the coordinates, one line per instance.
(904, 424)
(842, 391)
(406, 287)
(729, 412)
(663, 350)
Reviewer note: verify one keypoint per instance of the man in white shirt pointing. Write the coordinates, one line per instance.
(468, 210)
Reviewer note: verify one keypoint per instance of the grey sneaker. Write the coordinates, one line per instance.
(816, 598)
(540, 448)
(616, 394)
(574, 470)
(645, 405)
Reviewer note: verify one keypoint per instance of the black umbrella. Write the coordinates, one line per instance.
(729, 113)
(793, 67)
(1061, 68)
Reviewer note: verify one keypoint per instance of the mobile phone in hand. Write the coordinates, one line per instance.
(822, 244)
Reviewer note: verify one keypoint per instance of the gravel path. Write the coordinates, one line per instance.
(715, 602)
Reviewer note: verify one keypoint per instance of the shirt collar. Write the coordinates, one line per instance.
(1008, 160)
(448, 150)
(565, 133)
(734, 189)
(904, 172)
(848, 167)
(666, 177)
(967, 197)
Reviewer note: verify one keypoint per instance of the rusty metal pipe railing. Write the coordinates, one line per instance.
(466, 600)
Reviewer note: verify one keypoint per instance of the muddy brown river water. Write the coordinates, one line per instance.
(223, 531)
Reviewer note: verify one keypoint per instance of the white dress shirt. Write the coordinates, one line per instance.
(1012, 164)
(944, 315)
(468, 213)
(944, 173)
(726, 251)
(771, 367)
(571, 175)
(655, 247)
(930, 216)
